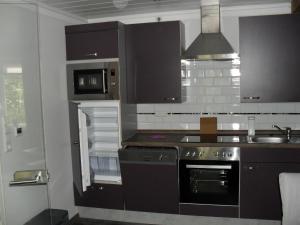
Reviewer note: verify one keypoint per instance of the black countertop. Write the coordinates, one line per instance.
(189, 139)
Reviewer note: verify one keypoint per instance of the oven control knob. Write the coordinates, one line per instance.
(200, 154)
(229, 155)
(187, 154)
(217, 154)
(194, 154)
(223, 154)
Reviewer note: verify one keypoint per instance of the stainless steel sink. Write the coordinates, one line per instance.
(269, 140)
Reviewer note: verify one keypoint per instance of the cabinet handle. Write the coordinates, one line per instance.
(76, 143)
(92, 54)
(251, 98)
(170, 99)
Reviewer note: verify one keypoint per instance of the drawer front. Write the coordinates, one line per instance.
(101, 196)
(276, 155)
(209, 210)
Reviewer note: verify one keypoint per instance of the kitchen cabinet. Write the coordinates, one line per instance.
(150, 179)
(269, 49)
(153, 54)
(107, 196)
(93, 41)
(295, 6)
(259, 189)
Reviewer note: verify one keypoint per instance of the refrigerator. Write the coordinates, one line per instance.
(99, 139)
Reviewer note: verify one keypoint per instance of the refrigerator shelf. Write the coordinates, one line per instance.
(99, 147)
(104, 139)
(106, 134)
(104, 128)
(107, 114)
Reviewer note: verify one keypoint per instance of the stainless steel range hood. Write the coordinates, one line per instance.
(211, 43)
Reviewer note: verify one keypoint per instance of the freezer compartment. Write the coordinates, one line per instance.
(105, 167)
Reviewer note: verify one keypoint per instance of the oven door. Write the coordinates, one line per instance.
(209, 182)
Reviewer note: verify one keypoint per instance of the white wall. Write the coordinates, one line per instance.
(55, 108)
(19, 48)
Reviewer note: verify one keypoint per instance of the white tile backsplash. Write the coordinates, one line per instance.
(213, 89)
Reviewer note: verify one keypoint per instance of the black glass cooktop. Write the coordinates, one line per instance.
(213, 139)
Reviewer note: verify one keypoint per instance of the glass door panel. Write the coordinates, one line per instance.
(24, 194)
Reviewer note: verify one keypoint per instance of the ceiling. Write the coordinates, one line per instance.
(105, 8)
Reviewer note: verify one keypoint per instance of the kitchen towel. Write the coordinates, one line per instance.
(290, 196)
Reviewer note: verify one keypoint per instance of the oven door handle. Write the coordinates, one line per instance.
(103, 81)
(216, 167)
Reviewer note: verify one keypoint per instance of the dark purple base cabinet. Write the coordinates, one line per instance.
(260, 193)
(107, 196)
(209, 210)
(151, 188)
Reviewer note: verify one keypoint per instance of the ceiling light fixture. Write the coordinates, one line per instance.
(120, 4)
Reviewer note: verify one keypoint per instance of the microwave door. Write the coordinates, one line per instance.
(84, 151)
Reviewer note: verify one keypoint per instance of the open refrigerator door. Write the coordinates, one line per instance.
(100, 140)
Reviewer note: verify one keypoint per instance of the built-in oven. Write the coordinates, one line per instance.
(93, 80)
(209, 176)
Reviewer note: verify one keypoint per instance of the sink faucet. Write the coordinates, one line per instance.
(287, 131)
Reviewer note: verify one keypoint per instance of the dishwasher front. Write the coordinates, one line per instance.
(150, 179)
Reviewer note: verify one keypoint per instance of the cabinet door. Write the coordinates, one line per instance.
(269, 49)
(154, 61)
(75, 148)
(260, 193)
(92, 45)
(101, 196)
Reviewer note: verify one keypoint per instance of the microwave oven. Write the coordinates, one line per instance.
(93, 80)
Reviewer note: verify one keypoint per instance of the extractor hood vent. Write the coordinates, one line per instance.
(211, 43)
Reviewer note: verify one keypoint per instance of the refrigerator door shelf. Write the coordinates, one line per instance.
(84, 150)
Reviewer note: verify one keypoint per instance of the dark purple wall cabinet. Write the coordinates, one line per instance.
(260, 193)
(269, 51)
(153, 52)
(92, 41)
